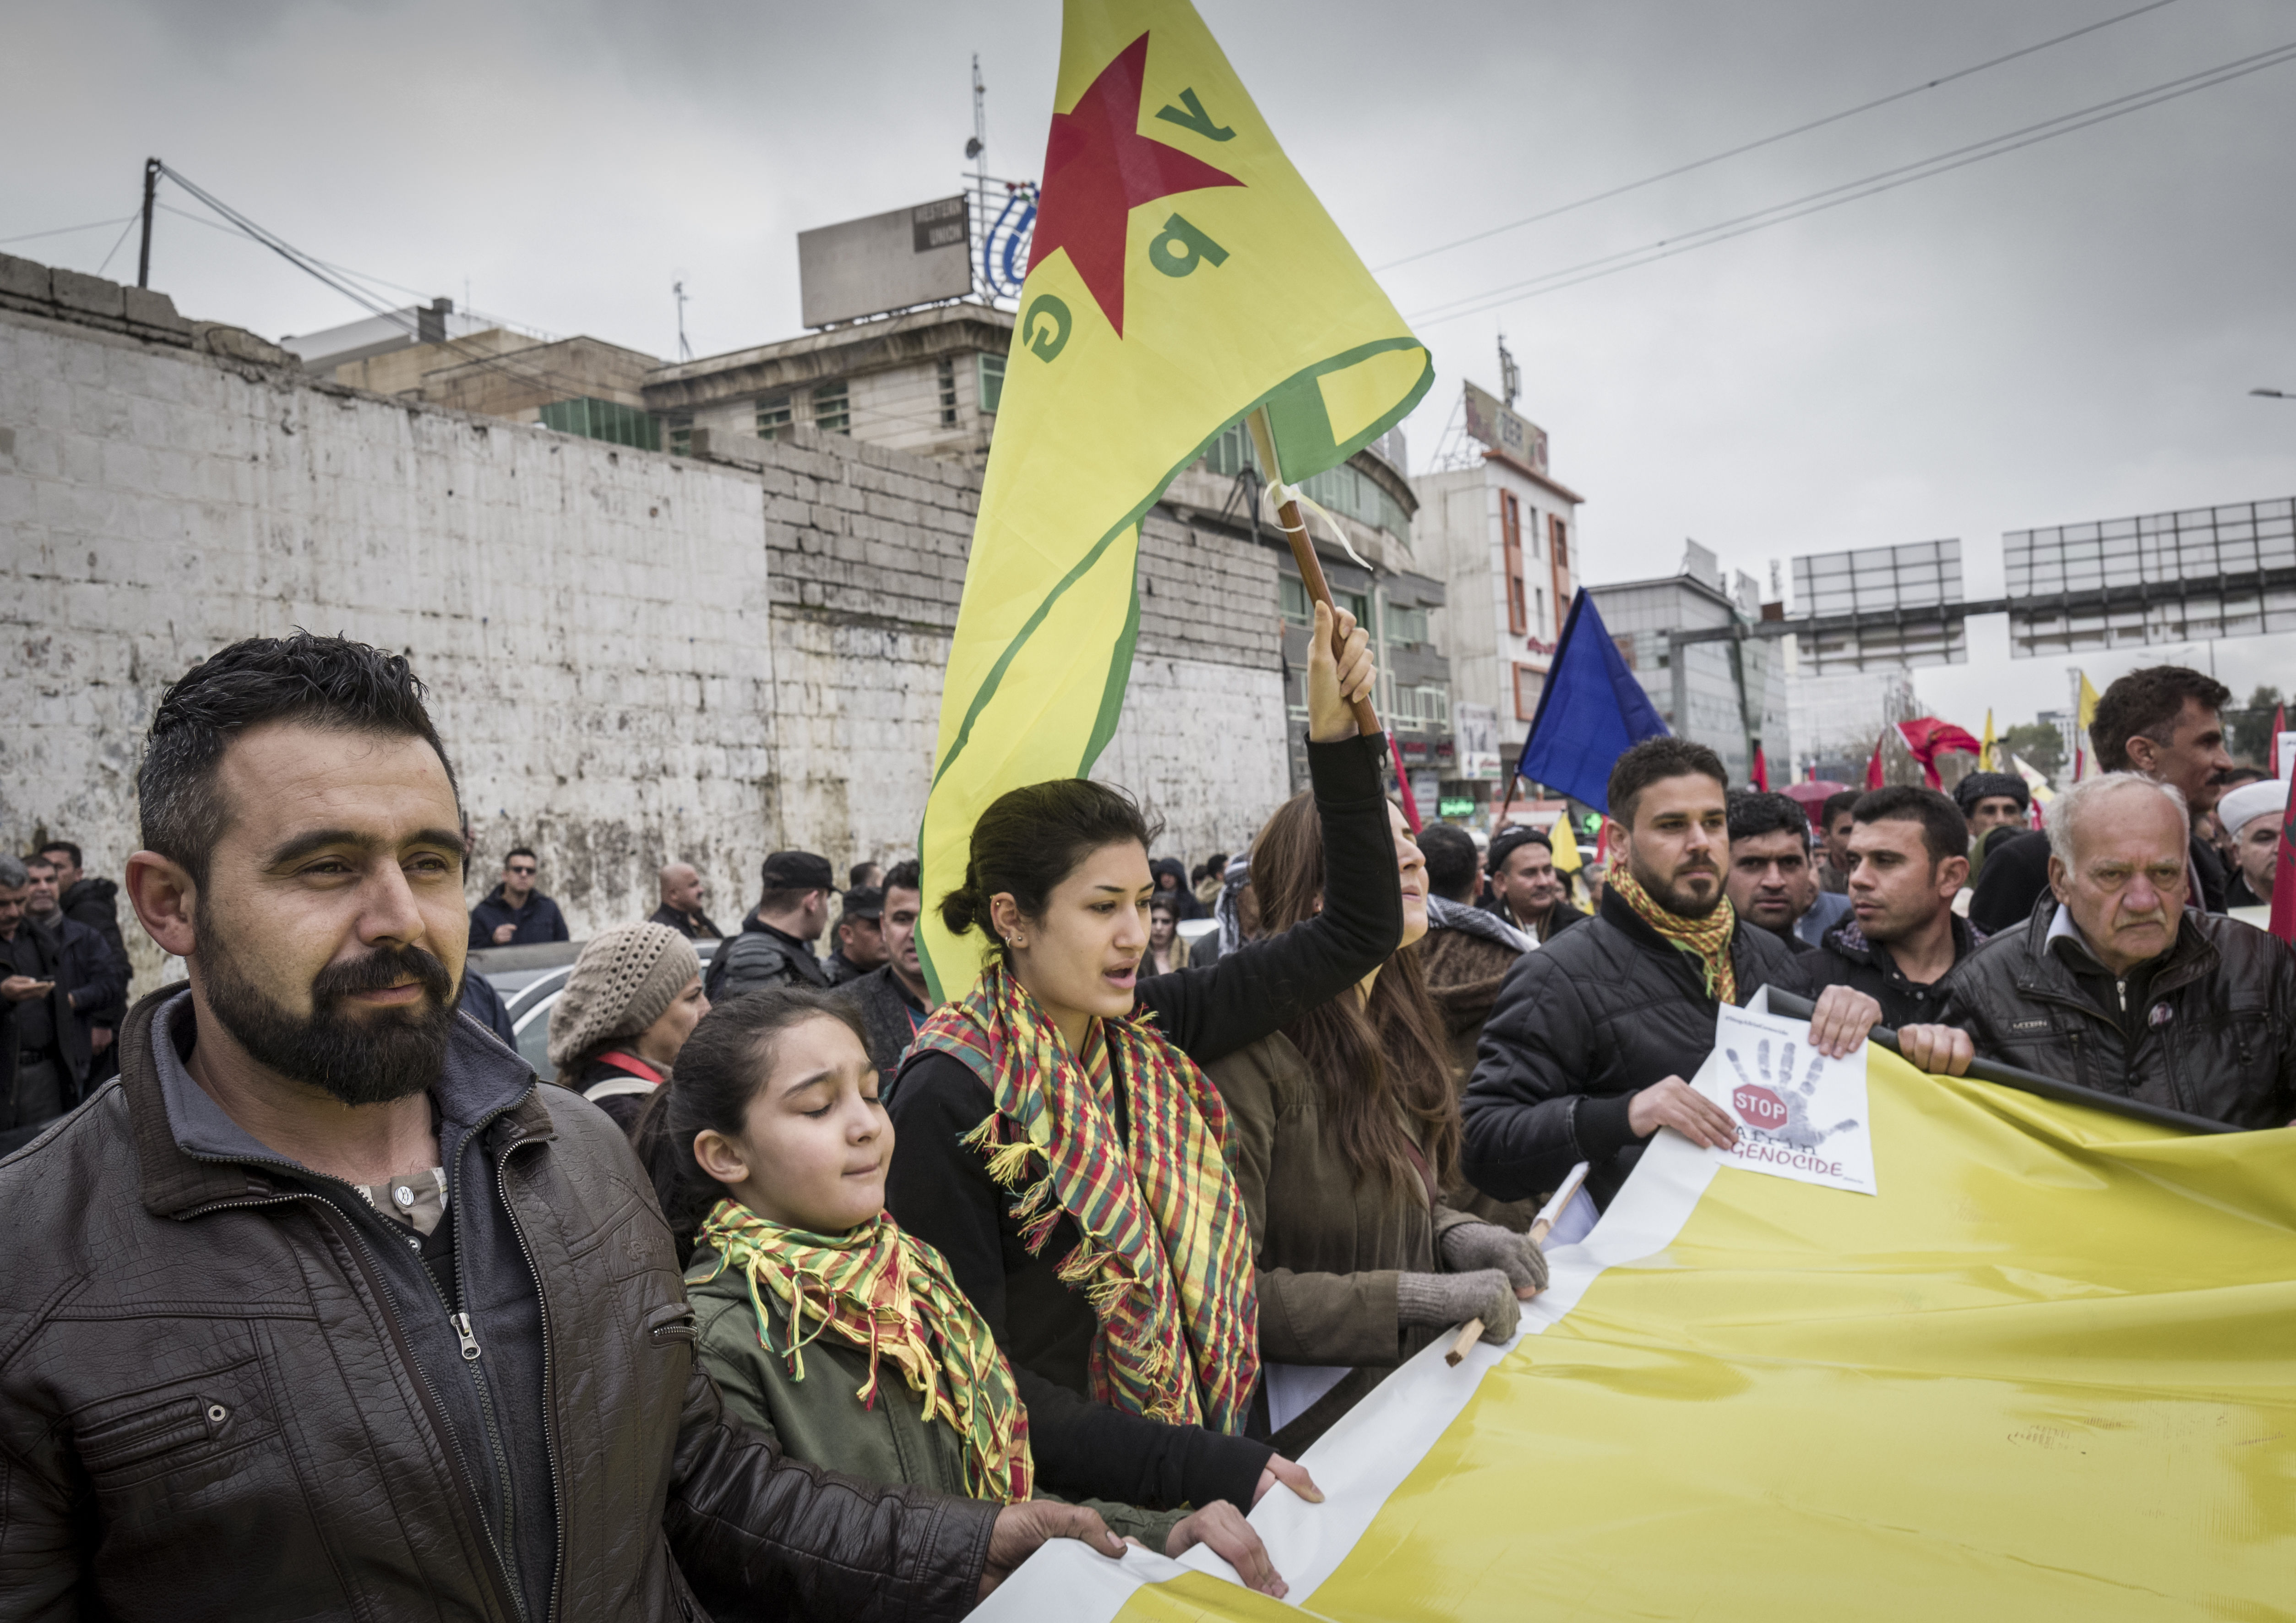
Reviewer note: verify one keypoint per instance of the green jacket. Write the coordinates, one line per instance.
(820, 1421)
(1326, 1247)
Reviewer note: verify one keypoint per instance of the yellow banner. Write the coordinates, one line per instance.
(2047, 1372)
(1181, 274)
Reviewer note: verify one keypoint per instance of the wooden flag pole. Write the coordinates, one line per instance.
(1303, 553)
(1470, 1332)
(1541, 1226)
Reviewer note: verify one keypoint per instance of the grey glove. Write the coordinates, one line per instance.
(1440, 1300)
(1486, 1245)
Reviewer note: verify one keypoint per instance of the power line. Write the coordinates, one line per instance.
(1832, 197)
(1783, 135)
(116, 241)
(61, 231)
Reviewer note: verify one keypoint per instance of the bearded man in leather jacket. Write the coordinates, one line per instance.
(2116, 983)
(324, 1309)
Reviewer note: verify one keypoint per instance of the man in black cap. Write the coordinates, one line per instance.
(776, 946)
(859, 935)
(1990, 801)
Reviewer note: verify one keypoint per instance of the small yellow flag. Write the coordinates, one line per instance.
(2088, 713)
(1565, 844)
(1181, 275)
(1985, 754)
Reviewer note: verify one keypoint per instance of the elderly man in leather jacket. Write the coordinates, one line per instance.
(2113, 982)
(324, 1309)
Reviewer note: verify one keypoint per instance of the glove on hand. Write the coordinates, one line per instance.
(1486, 1245)
(1440, 1300)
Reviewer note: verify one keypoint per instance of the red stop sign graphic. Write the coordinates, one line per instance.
(1759, 1108)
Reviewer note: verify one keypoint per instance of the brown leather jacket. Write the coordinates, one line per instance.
(208, 1410)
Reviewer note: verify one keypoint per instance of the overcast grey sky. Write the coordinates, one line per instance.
(2066, 333)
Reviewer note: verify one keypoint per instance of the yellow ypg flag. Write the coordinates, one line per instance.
(2045, 1371)
(1564, 843)
(1985, 754)
(1181, 274)
(2087, 715)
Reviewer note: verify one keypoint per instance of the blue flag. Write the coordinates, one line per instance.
(1591, 711)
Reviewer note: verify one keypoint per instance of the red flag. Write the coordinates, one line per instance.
(1873, 766)
(2284, 880)
(1403, 783)
(1928, 738)
(1762, 773)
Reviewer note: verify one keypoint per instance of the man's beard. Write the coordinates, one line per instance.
(1675, 900)
(388, 1054)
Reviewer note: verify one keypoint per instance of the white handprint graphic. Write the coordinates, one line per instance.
(1773, 1106)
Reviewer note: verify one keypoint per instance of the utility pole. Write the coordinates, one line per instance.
(1510, 375)
(152, 167)
(684, 349)
(977, 149)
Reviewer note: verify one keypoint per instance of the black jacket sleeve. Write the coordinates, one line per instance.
(1526, 1118)
(2016, 873)
(759, 1536)
(940, 1192)
(98, 983)
(1264, 986)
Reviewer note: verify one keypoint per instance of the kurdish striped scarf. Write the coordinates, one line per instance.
(1163, 1254)
(881, 1289)
(1706, 939)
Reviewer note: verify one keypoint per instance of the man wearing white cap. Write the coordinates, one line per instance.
(2252, 815)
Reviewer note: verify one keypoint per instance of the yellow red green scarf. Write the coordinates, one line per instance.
(1162, 1254)
(881, 1288)
(1706, 939)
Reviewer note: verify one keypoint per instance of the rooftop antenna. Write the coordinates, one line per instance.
(977, 149)
(678, 291)
(1509, 374)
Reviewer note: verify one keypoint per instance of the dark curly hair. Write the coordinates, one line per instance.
(328, 681)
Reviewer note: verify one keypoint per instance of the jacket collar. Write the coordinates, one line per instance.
(1850, 941)
(1444, 914)
(2188, 958)
(755, 926)
(193, 1155)
(1616, 913)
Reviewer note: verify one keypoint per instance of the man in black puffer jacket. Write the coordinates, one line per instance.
(1587, 1051)
(2114, 984)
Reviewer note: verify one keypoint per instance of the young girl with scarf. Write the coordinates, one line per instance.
(821, 1320)
(1344, 1130)
(1061, 1148)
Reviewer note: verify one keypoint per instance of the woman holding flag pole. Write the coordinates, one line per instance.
(1059, 1145)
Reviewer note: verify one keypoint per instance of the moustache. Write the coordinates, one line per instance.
(379, 971)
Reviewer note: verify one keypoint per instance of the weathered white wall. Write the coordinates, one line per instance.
(632, 656)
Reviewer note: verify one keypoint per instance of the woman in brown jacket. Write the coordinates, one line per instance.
(1342, 1126)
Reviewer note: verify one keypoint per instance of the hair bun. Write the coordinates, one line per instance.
(961, 909)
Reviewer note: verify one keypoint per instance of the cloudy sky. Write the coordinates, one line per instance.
(2069, 332)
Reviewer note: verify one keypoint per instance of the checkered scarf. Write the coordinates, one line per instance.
(890, 1293)
(1706, 939)
(1163, 1253)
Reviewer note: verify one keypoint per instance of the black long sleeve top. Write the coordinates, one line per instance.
(941, 1191)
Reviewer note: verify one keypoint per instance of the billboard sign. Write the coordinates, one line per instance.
(2135, 558)
(1888, 586)
(1475, 741)
(1504, 429)
(885, 262)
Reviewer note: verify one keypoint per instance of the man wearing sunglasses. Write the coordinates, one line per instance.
(514, 912)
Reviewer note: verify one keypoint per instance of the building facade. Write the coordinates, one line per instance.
(1501, 534)
(1729, 695)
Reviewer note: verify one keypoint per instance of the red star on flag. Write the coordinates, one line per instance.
(1098, 168)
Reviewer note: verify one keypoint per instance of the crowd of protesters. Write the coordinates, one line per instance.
(798, 1289)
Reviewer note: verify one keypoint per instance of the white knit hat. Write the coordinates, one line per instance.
(2242, 805)
(624, 979)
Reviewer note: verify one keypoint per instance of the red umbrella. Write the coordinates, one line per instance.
(1812, 796)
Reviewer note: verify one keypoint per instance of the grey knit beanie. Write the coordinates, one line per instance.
(624, 979)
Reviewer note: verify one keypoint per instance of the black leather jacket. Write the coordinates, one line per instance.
(208, 1409)
(1597, 1014)
(2214, 1019)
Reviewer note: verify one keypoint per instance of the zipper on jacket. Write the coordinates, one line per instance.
(458, 1319)
(549, 1395)
(458, 1467)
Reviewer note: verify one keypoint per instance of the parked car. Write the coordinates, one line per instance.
(530, 980)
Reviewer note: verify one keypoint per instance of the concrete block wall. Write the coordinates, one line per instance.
(632, 656)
